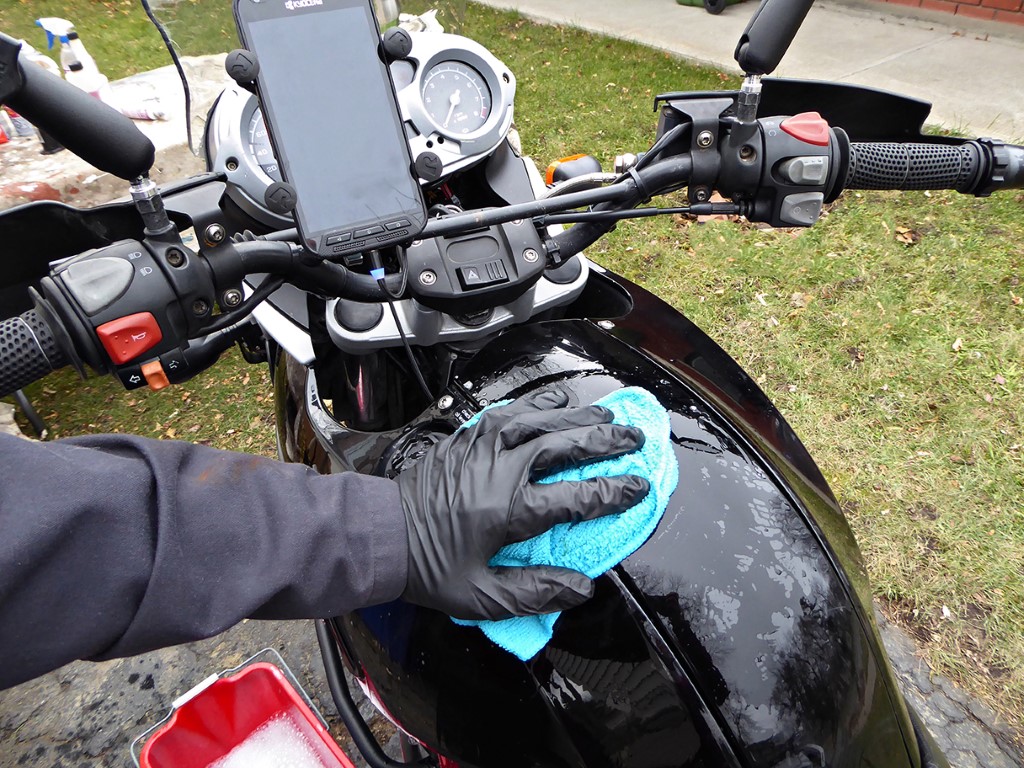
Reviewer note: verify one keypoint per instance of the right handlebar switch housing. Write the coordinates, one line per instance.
(786, 168)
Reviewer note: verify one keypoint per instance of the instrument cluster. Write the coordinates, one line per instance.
(456, 100)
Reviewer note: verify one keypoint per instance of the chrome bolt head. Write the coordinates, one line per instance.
(427, 277)
(530, 255)
(215, 234)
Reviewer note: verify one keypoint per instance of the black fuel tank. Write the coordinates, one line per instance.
(739, 634)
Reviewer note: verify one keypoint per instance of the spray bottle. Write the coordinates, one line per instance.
(79, 67)
(28, 53)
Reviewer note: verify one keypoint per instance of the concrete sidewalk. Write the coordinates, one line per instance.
(972, 72)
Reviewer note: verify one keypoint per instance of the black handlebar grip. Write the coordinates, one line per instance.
(914, 166)
(28, 351)
(94, 131)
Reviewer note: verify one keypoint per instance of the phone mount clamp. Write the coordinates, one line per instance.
(242, 66)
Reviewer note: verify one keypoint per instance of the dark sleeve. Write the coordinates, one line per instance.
(114, 545)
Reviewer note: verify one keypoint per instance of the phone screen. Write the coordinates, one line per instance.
(333, 119)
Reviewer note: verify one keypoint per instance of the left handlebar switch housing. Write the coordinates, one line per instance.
(119, 309)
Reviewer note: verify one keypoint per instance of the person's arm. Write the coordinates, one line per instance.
(113, 545)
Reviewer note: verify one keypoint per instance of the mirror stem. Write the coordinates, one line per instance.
(750, 96)
(150, 206)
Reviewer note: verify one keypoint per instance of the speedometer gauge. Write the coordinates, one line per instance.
(259, 145)
(456, 97)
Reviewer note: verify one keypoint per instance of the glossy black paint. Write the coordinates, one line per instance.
(739, 634)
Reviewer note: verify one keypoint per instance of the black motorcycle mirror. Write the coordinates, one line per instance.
(763, 44)
(94, 131)
(91, 129)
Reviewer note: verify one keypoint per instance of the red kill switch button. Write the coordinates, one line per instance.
(128, 337)
(808, 127)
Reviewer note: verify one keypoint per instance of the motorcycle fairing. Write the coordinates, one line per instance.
(739, 633)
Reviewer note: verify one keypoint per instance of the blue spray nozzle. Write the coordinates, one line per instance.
(55, 29)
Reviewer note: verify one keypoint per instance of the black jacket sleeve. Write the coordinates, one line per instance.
(113, 545)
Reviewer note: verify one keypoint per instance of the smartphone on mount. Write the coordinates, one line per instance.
(330, 107)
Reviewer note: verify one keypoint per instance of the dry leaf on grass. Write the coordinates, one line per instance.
(907, 236)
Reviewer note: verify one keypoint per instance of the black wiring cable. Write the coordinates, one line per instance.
(243, 310)
(177, 65)
(699, 209)
(658, 146)
(408, 348)
(378, 271)
(404, 267)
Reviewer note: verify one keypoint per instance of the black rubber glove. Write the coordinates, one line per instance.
(472, 493)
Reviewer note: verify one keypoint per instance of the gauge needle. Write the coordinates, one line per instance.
(455, 99)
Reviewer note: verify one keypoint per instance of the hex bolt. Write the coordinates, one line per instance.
(705, 139)
(231, 164)
(484, 401)
(175, 257)
(747, 153)
(468, 386)
(215, 234)
(701, 194)
(606, 324)
(232, 297)
(446, 402)
(427, 277)
(200, 307)
(530, 255)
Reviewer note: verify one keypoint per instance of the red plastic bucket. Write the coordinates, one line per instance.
(246, 711)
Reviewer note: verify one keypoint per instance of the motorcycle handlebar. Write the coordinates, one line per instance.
(28, 351)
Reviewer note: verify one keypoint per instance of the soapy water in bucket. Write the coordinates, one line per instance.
(278, 743)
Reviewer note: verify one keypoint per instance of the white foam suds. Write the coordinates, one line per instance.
(278, 743)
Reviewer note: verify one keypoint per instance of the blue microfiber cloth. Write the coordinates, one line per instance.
(594, 546)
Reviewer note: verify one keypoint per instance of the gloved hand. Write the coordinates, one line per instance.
(472, 494)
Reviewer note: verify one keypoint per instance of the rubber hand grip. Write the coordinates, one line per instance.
(28, 351)
(913, 166)
(94, 131)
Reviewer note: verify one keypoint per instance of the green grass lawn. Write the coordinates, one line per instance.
(890, 335)
(119, 36)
